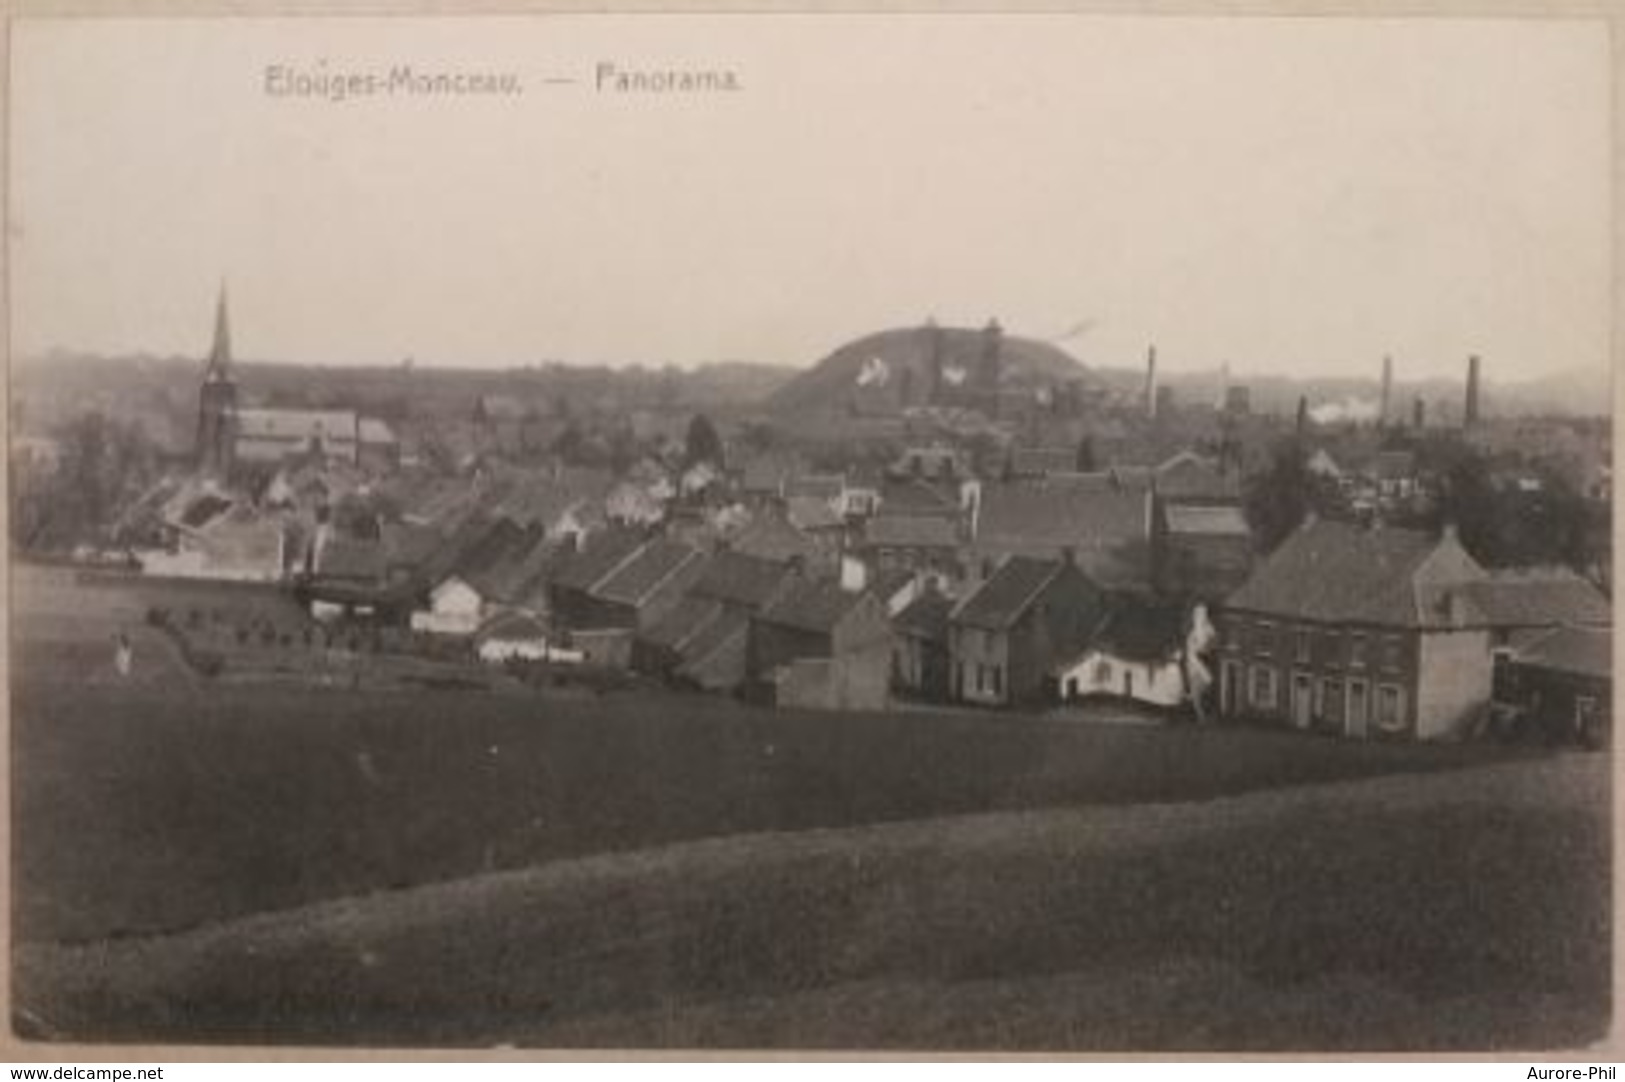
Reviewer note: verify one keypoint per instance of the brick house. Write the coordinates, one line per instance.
(1005, 637)
(1360, 631)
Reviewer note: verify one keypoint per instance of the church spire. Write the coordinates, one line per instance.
(219, 369)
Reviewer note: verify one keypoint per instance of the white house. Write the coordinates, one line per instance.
(1137, 654)
(455, 608)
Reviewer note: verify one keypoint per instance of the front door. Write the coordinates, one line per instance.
(1359, 709)
(1303, 699)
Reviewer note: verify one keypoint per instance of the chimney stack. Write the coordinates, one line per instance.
(1469, 417)
(1418, 413)
(1387, 390)
(1151, 382)
(1303, 415)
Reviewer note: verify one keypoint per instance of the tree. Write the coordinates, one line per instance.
(1277, 500)
(703, 443)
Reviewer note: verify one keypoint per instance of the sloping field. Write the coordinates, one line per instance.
(1467, 909)
(138, 810)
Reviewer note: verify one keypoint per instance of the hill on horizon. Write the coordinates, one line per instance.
(893, 369)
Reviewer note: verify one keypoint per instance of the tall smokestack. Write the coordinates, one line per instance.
(1387, 390)
(1151, 383)
(1469, 417)
(1303, 415)
(1419, 413)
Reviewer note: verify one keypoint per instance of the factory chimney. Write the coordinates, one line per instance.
(1387, 391)
(1151, 383)
(1419, 413)
(1469, 417)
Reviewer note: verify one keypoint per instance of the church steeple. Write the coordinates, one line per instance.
(219, 368)
(217, 400)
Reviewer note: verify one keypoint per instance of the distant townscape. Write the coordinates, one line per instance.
(931, 515)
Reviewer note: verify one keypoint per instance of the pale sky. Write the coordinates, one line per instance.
(1285, 194)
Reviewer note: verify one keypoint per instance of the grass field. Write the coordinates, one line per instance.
(196, 860)
(1465, 910)
(139, 810)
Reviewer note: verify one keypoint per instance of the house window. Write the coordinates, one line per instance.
(1304, 640)
(1266, 635)
(1333, 650)
(1390, 707)
(1356, 651)
(1390, 653)
(1232, 634)
(981, 677)
(1128, 683)
(1263, 690)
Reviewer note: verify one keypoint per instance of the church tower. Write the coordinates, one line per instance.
(217, 401)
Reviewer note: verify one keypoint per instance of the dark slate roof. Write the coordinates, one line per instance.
(770, 536)
(1001, 600)
(1546, 596)
(911, 531)
(1204, 521)
(683, 624)
(1087, 513)
(603, 553)
(738, 578)
(1041, 461)
(715, 659)
(351, 558)
(633, 581)
(512, 627)
(516, 573)
(812, 513)
(886, 584)
(1582, 651)
(926, 617)
(915, 496)
(811, 606)
(1335, 572)
(1391, 465)
(1142, 631)
(1189, 476)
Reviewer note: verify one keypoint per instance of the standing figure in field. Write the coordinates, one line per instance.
(1199, 640)
(123, 655)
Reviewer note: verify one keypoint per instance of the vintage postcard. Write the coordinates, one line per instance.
(1065, 533)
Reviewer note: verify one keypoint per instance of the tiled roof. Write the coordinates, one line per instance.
(1540, 597)
(926, 617)
(886, 584)
(654, 564)
(1391, 465)
(716, 658)
(285, 424)
(1041, 518)
(1582, 651)
(1141, 631)
(812, 513)
(682, 624)
(737, 578)
(351, 558)
(512, 627)
(770, 536)
(1190, 476)
(1339, 573)
(911, 531)
(826, 486)
(915, 496)
(1041, 461)
(1004, 597)
(603, 553)
(811, 606)
(1206, 521)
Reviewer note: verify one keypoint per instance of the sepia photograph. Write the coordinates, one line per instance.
(927, 532)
